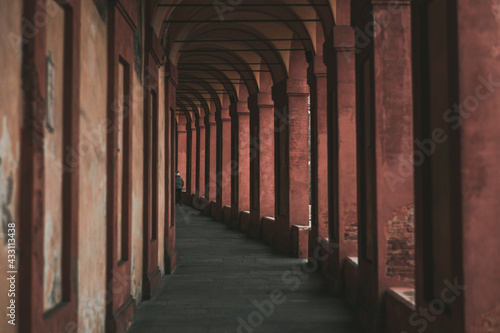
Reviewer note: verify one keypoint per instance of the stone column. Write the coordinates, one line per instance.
(319, 152)
(173, 163)
(200, 171)
(339, 57)
(385, 138)
(182, 147)
(212, 159)
(223, 161)
(291, 161)
(240, 180)
(193, 159)
(457, 98)
(261, 160)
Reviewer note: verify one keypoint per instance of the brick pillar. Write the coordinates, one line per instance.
(479, 96)
(200, 171)
(212, 158)
(172, 164)
(240, 180)
(191, 127)
(261, 160)
(385, 138)
(291, 160)
(456, 86)
(223, 161)
(346, 222)
(319, 152)
(182, 147)
(341, 117)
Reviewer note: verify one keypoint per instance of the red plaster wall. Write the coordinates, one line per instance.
(10, 126)
(480, 159)
(93, 127)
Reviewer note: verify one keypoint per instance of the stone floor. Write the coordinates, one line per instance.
(226, 282)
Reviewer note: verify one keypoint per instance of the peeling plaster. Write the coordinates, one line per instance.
(52, 265)
(92, 311)
(6, 182)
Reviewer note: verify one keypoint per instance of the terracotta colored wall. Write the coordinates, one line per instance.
(161, 170)
(137, 186)
(92, 214)
(54, 155)
(480, 159)
(10, 112)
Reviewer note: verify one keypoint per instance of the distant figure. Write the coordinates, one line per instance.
(179, 184)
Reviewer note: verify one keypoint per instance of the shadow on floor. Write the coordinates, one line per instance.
(226, 282)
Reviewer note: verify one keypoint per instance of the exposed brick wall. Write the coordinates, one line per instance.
(400, 233)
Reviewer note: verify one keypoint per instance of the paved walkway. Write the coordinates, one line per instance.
(226, 282)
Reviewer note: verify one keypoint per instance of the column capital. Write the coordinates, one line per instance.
(192, 124)
(291, 87)
(223, 114)
(200, 122)
(239, 108)
(297, 87)
(181, 128)
(210, 119)
(343, 38)
(317, 67)
(265, 99)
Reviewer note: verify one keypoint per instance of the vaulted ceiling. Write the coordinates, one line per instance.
(233, 48)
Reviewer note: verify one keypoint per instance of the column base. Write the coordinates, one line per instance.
(213, 209)
(226, 215)
(151, 283)
(122, 318)
(267, 225)
(300, 241)
(170, 261)
(295, 245)
(244, 221)
(254, 228)
(235, 218)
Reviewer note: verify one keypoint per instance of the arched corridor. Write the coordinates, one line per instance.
(349, 145)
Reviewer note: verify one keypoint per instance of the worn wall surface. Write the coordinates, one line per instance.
(137, 183)
(92, 180)
(400, 232)
(10, 125)
(162, 159)
(54, 155)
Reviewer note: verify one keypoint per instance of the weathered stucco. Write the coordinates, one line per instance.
(92, 226)
(10, 113)
(137, 185)
(54, 155)
(161, 171)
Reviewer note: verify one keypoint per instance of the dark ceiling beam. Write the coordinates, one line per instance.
(239, 40)
(215, 82)
(184, 97)
(189, 77)
(205, 89)
(232, 63)
(240, 50)
(244, 21)
(222, 70)
(248, 5)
